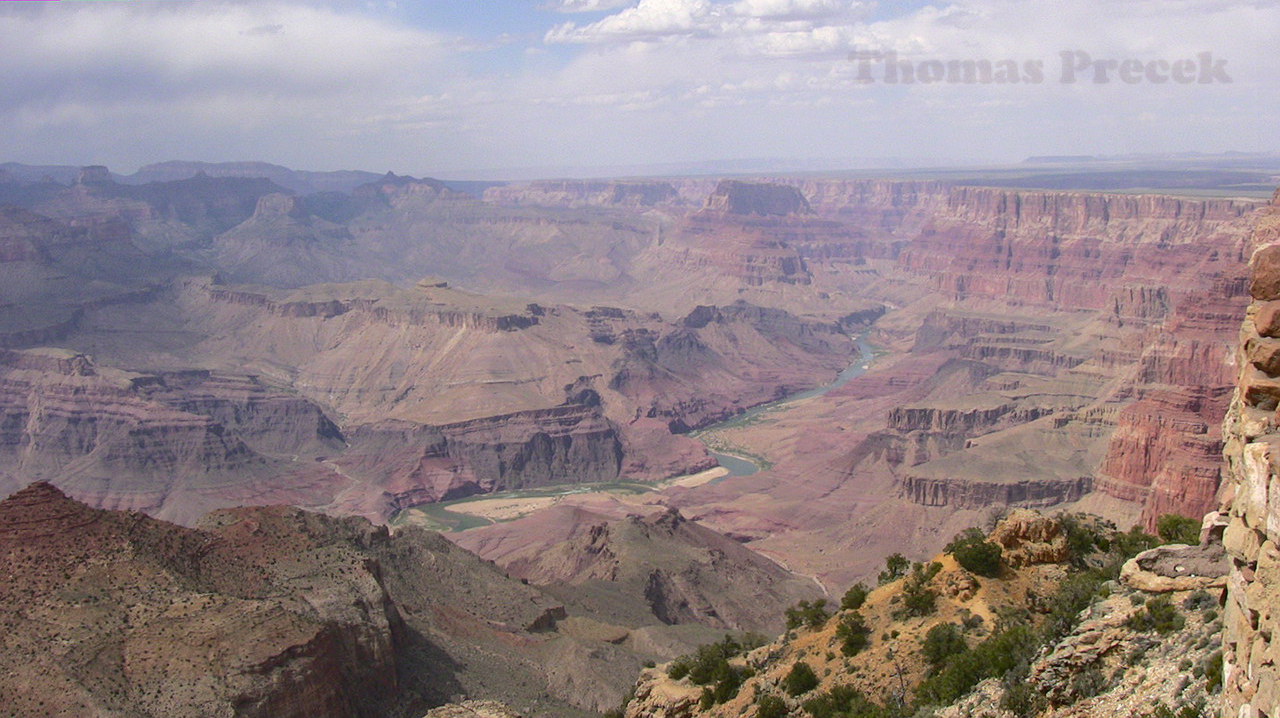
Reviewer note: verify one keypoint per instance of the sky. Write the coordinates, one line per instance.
(501, 88)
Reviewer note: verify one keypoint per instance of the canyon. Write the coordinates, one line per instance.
(363, 346)
(1041, 348)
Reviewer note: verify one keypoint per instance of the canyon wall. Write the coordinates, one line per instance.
(273, 611)
(1249, 501)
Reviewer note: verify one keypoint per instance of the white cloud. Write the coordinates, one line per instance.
(791, 9)
(339, 84)
(649, 19)
(588, 5)
(656, 19)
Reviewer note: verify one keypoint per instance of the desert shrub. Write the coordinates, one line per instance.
(1175, 528)
(942, 642)
(895, 567)
(846, 702)
(973, 551)
(1159, 615)
(1088, 683)
(1010, 648)
(710, 662)
(771, 707)
(812, 614)
(854, 597)
(1086, 535)
(727, 685)
(1073, 596)
(1131, 543)
(1213, 672)
(1184, 710)
(853, 633)
(1021, 699)
(1200, 601)
(801, 679)
(917, 598)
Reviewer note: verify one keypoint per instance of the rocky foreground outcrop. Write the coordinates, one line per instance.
(1247, 502)
(640, 569)
(271, 611)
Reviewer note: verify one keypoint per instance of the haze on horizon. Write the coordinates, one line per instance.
(482, 89)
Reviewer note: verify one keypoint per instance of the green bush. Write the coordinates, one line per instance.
(847, 702)
(1086, 535)
(853, 633)
(1159, 615)
(709, 664)
(1184, 710)
(1007, 649)
(854, 597)
(1131, 543)
(771, 707)
(1088, 683)
(1022, 699)
(942, 642)
(1200, 601)
(895, 567)
(1213, 672)
(917, 598)
(808, 614)
(1175, 528)
(801, 679)
(973, 551)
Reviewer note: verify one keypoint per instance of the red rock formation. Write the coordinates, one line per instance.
(584, 193)
(753, 198)
(412, 464)
(268, 611)
(659, 565)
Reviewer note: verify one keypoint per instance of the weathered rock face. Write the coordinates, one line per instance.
(753, 198)
(751, 249)
(970, 494)
(1028, 537)
(638, 569)
(152, 618)
(416, 464)
(581, 193)
(1248, 499)
(271, 611)
(171, 444)
(473, 709)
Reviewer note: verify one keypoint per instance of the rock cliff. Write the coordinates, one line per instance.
(582, 193)
(1248, 513)
(639, 569)
(272, 611)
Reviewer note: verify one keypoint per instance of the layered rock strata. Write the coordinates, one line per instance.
(1249, 502)
(273, 611)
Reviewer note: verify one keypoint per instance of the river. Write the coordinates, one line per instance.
(746, 466)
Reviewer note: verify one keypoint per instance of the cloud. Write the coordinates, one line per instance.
(588, 5)
(348, 83)
(648, 20)
(117, 53)
(657, 19)
(791, 9)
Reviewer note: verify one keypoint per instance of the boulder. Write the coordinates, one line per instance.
(1027, 537)
(1176, 567)
(1265, 284)
(1264, 354)
(472, 709)
(1267, 319)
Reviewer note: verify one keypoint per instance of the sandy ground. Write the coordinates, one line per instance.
(511, 508)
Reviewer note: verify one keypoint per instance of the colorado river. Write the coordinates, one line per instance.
(454, 515)
(746, 466)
